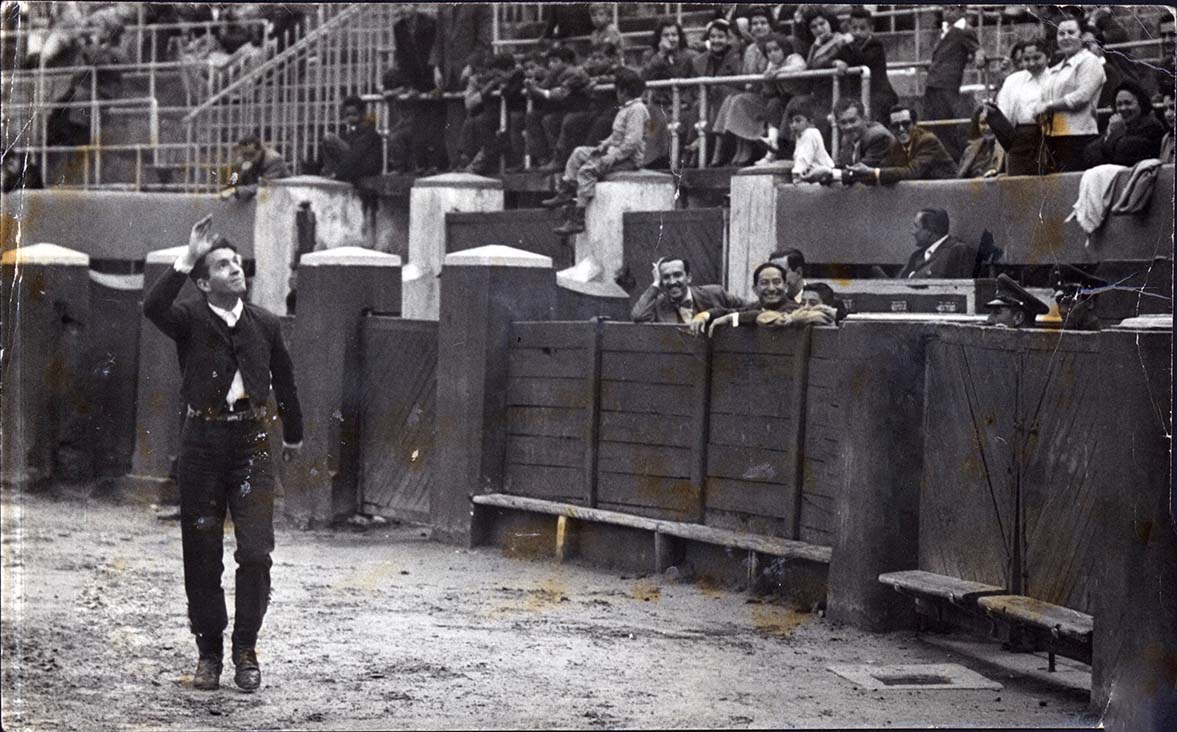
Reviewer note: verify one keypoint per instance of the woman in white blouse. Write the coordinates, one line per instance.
(1069, 95)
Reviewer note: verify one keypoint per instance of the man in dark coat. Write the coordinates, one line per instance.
(462, 30)
(671, 298)
(864, 144)
(957, 45)
(938, 254)
(916, 154)
(416, 140)
(868, 51)
(357, 151)
(230, 354)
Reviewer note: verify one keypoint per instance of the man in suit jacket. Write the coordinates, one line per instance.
(957, 45)
(864, 144)
(462, 30)
(672, 299)
(938, 254)
(230, 354)
(916, 154)
(356, 151)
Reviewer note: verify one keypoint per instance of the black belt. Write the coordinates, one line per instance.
(240, 411)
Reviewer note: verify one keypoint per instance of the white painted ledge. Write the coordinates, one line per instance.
(43, 254)
(349, 257)
(497, 255)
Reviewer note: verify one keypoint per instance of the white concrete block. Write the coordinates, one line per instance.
(639, 190)
(44, 254)
(753, 228)
(497, 255)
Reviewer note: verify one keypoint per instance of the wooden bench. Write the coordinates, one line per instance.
(754, 544)
(1059, 629)
(1050, 627)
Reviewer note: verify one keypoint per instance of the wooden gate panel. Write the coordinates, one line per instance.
(397, 410)
(825, 452)
(549, 409)
(1061, 413)
(967, 498)
(696, 234)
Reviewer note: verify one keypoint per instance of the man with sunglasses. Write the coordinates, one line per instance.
(916, 154)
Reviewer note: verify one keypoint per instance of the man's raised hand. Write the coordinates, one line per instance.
(200, 240)
(658, 272)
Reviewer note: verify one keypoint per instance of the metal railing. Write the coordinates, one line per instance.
(293, 99)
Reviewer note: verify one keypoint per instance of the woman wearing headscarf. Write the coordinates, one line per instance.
(1134, 133)
(742, 117)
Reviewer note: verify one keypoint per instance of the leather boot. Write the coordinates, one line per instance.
(249, 674)
(573, 224)
(565, 194)
(208, 673)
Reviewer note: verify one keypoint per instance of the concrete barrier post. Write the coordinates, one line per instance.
(483, 291)
(46, 291)
(335, 289)
(590, 286)
(339, 221)
(753, 229)
(159, 409)
(429, 201)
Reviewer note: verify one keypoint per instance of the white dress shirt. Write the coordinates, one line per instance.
(1019, 94)
(237, 387)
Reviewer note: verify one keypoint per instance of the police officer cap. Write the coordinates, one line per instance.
(1011, 294)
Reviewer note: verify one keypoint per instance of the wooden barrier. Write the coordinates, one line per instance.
(397, 406)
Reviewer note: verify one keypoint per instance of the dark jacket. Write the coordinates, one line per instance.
(872, 55)
(657, 66)
(413, 37)
(872, 149)
(365, 150)
(951, 55)
(1139, 141)
(924, 158)
(953, 259)
(706, 64)
(655, 307)
(210, 353)
(462, 29)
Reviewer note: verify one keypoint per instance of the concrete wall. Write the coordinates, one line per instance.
(119, 224)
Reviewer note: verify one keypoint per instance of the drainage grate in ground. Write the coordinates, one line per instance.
(931, 676)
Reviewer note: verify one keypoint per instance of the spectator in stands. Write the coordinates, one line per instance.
(774, 308)
(602, 65)
(916, 154)
(503, 79)
(566, 20)
(668, 58)
(1013, 117)
(1069, 95)
(742, 116)
(624, 149)
(71, 125)
(604, 30)
(255, 163)
(824, 53)
(356, 151)
(938, 254)
(671, 298)
(416, 138)
(792, 263)
(563, 91)
(463, 29)
(1168, 107)
(809, 150)
(821, 294)
(1165, 73)
(982, 156)
(778, 94)
(1113, 75)
(1133, 134)
(721, 59)
(957, 45)
(20, 172)
(863, 143)
(866, 50)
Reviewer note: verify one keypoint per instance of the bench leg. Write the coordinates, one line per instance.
(1050, 660)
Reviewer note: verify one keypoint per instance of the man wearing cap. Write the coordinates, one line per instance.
(1014, 306)
(1075, 292)
(230, 354)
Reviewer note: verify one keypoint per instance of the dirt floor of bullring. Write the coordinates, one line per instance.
(387, 629)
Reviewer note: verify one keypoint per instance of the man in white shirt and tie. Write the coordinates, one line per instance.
(938, 254)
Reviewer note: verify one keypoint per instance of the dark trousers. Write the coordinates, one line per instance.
(943, 104)
(226, 465)
(1066, 152)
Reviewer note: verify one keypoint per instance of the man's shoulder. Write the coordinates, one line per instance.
(875, 131)
(263, 316)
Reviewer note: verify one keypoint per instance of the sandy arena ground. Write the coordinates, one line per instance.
(386, 629)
